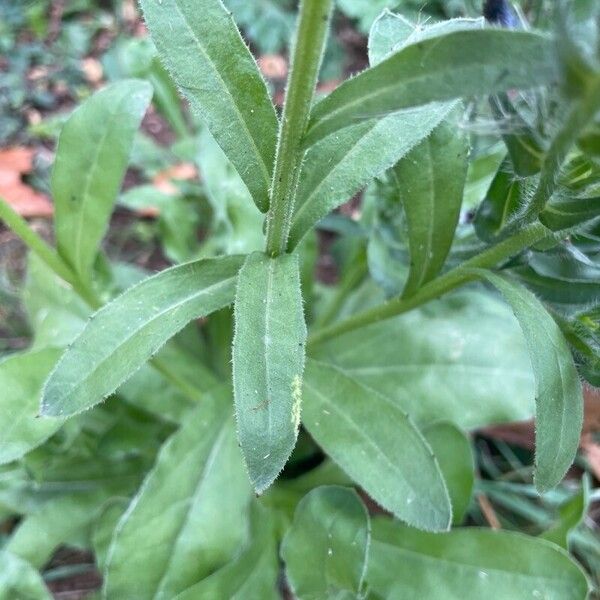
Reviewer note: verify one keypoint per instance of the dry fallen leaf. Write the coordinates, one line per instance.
(273, 66)
(14, 163)
(163, 181)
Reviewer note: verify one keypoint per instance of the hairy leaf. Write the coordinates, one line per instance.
(456, 65)
(189, 516)
(325, 550)
(338, 166)
(559, 396)
(206, 56)
(470, 564)
(91, 159)
(376, 443)
(501, 204)
(431, 180)
(21, 379)
(124, 334)
(268, 361)
(437, 362)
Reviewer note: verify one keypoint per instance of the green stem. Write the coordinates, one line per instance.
(50, 257)
(311, 35)
(44, 252)
(581, 114)
(507, 248)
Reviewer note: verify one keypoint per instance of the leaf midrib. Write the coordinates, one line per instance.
(263, 167)
(124, 341)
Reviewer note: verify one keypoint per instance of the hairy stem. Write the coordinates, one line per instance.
(525, 238)
(580, 115)
(311, 35)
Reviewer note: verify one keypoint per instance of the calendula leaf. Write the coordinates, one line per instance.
(456, 65)
(124, 334)
(376, 443)
(22, 377)
(437, 362)
(469, 563)
(189, 517)
(430, 181)
(559, 396)
(206, 56)
(326, 549)
(452, 449)
(268, 361)
(340, 165)
(91, 160)
(252, 574)
(18, 579)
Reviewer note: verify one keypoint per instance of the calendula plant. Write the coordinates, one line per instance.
(219, 455)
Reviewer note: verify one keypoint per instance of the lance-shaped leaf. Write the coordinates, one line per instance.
(559, 396)
(501, 204)
(431, 180)
(456, 65)
(565, 212)
(252, 574)
(18, 579)
(22, 377)
(125, 333)
(339, 166)
(91, 160)
(376, 443)
(206, 56)
(326, 549)
(470, 564)
(190, 515)
(268, 361)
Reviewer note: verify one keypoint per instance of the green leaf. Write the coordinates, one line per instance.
(19, 580)
(452, 448)
(561, 278)
(104, 527)
(339, 166)
(91, 159)
(268, 361)
(125, 333)
(437, 362)
(523, 143)
(456, 65)
(376, 443)
(392, 32)
(565, 212)
(21, 379)
(57, 522)
(326, 549)
(206, 56)
(503, 201)
(571, 514)
(56, 314)
(470, 564)
(237, 225)
(431, 180)
(559, 396)
(189, 517)
(252, 574)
